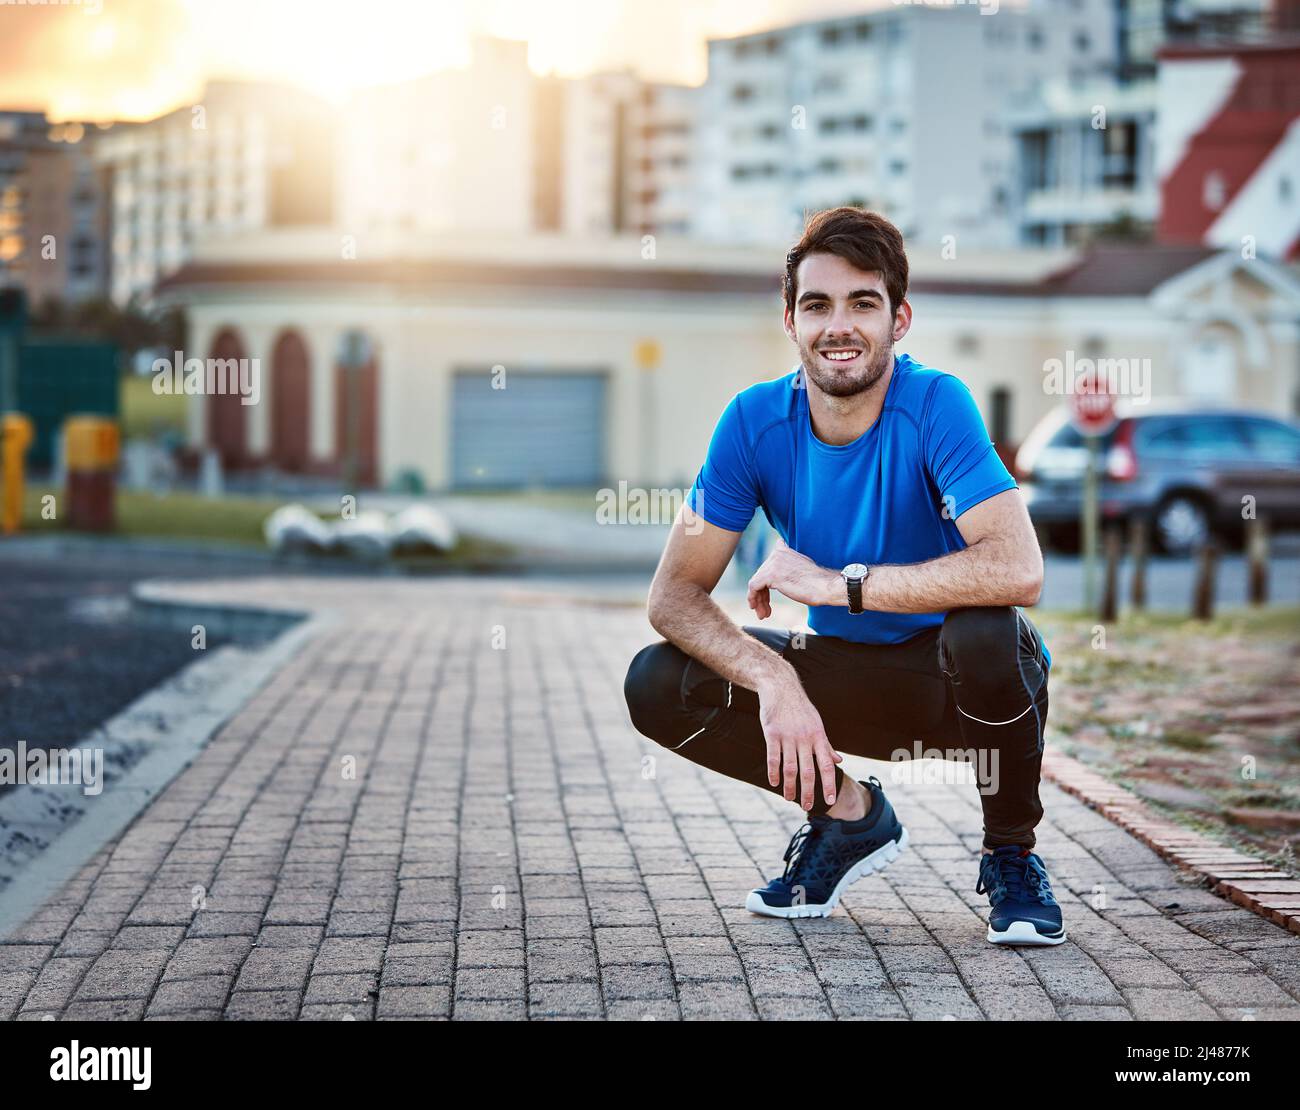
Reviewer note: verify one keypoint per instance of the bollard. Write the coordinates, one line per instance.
(91, 449)
(1257, 554)
(1203, 595)
(1138, 550)
(15, 438)
(1110, 585)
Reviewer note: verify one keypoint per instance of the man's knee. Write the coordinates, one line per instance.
(653, 686)
(977, 635)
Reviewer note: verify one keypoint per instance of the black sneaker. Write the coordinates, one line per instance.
(826, 855)
(1023, 908)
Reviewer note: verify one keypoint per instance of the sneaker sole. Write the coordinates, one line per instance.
(881, 858)
(1023, 932)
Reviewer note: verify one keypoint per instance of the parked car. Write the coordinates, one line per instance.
(1187, 469)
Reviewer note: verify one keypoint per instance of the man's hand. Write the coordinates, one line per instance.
(797, 747)
(794, 575)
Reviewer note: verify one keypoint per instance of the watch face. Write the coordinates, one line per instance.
(854, 570)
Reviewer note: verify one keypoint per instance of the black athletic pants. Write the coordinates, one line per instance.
(975, 688)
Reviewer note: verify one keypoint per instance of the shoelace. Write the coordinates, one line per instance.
(795, 851)
(1021, 878)
(801, 849)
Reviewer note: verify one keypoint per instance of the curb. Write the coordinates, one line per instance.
(523, 563)
(1245, 880)
(173, 722)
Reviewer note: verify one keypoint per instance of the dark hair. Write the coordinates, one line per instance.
(865, 239)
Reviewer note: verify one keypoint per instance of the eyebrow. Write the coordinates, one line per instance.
(857, 294)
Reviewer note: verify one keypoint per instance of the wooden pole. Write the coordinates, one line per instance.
(1206, 568)
(1257, 553)
(1138, 550)
(1110, 585)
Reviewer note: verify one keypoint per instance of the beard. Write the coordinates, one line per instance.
(845, 382)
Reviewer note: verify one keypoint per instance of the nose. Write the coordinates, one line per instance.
(839, 325)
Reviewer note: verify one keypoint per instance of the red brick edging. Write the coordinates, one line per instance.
(1249, 882)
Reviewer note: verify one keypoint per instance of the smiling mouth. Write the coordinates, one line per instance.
(840, 354)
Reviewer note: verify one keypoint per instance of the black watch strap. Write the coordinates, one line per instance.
(855, 594)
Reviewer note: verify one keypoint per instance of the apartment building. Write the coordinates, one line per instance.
(249, 155)
(901, 109)
(52, 210)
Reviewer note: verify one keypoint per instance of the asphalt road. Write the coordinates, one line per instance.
(71, 656)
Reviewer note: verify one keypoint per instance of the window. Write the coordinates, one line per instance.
(1273, 440)
(1205, 436)
(1000, 411)
(1119, 166)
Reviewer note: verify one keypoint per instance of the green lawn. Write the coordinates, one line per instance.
(229, 520)
(145, 413)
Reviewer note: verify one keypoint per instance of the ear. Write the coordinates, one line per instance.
(787, 320)
(902, 319)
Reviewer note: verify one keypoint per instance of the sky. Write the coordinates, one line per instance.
(136, 59)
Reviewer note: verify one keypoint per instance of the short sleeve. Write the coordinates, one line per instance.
(725, 492)
(959, 455)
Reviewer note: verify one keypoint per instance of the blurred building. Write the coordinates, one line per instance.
(53, 212)
(547, 360)
(1086, 150)
(249, 155)
(1085, 162)
(630, 156)
(456, 149)
(1228, 155)
(902, 110)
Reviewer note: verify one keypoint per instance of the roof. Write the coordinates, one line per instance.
(1128, 270)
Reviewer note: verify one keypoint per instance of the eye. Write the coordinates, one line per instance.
(866, 304)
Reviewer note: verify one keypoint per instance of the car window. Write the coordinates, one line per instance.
(1199, 436)
(1274, 440)
(1069, 436)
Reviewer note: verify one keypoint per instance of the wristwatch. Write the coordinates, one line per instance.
(854, 575)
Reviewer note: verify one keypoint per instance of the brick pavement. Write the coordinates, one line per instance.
(439, 809)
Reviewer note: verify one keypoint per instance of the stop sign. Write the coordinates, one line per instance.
(1092, 405)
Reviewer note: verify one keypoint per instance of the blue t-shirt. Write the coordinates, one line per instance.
(890, 496)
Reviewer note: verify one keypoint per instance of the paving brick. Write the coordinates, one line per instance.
(533, 873)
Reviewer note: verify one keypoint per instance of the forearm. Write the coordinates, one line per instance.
(986, 573)
(686, 615)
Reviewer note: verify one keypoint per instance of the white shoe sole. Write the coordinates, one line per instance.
(881, 858)
(1023, 932)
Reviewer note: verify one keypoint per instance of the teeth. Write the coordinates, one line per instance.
(840, 356)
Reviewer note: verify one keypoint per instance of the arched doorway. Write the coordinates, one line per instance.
(356, 409)
(290, 403)
(227, 429)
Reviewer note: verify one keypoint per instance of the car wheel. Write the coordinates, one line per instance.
(1182, 524)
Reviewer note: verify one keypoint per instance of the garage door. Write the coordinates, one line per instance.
(542, 429)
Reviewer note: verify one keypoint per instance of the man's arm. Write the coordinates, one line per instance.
(1001, 565)
(681, 610)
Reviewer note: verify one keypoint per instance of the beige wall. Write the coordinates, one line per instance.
(660, 421)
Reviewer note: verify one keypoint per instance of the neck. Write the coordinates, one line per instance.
(841, 420)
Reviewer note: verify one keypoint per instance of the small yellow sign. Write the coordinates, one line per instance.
(648, 354)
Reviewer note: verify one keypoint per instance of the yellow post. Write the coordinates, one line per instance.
(15, 438)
